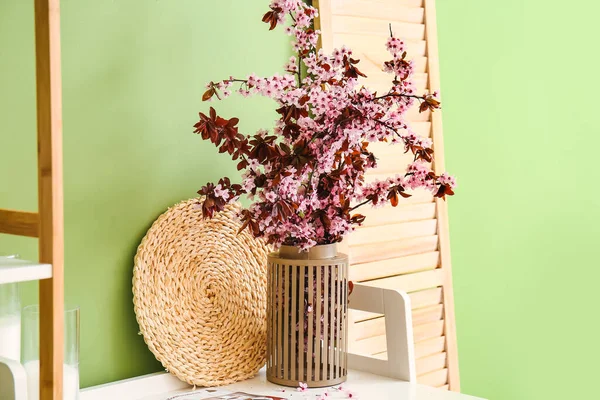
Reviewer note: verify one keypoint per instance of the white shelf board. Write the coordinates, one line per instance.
(17, 270)
(363, 385)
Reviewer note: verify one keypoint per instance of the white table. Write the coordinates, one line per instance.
(363, 386)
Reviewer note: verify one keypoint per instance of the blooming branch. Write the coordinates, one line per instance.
(308, 176)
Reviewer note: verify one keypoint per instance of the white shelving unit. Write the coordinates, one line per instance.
(13, 382)
(14, 270)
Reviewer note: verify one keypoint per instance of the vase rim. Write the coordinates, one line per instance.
(319, 251)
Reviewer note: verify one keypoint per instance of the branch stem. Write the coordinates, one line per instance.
(360, 205)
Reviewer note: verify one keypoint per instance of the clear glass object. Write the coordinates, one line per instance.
(31, 352)
(10, 320)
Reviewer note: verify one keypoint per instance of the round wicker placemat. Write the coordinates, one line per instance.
(199, 291)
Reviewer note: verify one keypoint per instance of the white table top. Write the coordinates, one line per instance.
(363, 386)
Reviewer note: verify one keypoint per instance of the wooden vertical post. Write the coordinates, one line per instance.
(50, 195)
(323, 23)
(441, 206)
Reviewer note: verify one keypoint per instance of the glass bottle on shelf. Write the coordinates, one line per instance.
(31, 352)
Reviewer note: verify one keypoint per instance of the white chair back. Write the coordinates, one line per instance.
(395, 306)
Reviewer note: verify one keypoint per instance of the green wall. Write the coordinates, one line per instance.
(518, 81)
(519, 78)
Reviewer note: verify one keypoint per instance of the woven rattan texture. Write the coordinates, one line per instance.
(199, 292)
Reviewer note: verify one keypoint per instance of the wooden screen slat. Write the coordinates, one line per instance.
(408, 3)
(426, 348)
(392, 163)
(372, 56)
(426, 298)
(428, 314)
(381, 81)
(431, 363)
(377, 28)
(369, 63)
(391, 159)
(380, 3)
(418, 196)
(370, 328)
(387, 250)
(20, 223)
(428, 331)
(403, 213)
(419, 79)
(50, 194)
(358, 316)
(381, 86)
(385, 11)
(394, 266)
(412, 282)
(428, 337)
(403, 230)
(377, 54)
(413, 114)
(382, 149)
(369, 346)
(418, 300)
(376, 326)
(423, 349)
(436, 379)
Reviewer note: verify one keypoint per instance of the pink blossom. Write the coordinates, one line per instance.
(302, 387)
(219, 192)
(270, 197)
(447, 180)
(395, 45)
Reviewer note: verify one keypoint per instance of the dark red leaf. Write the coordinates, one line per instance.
(393, 198)
(208, 94)
(242, 164)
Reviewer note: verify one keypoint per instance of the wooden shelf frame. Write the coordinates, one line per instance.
(48, 223)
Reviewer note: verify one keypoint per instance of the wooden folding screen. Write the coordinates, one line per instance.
(406, 247)
(47, 223)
